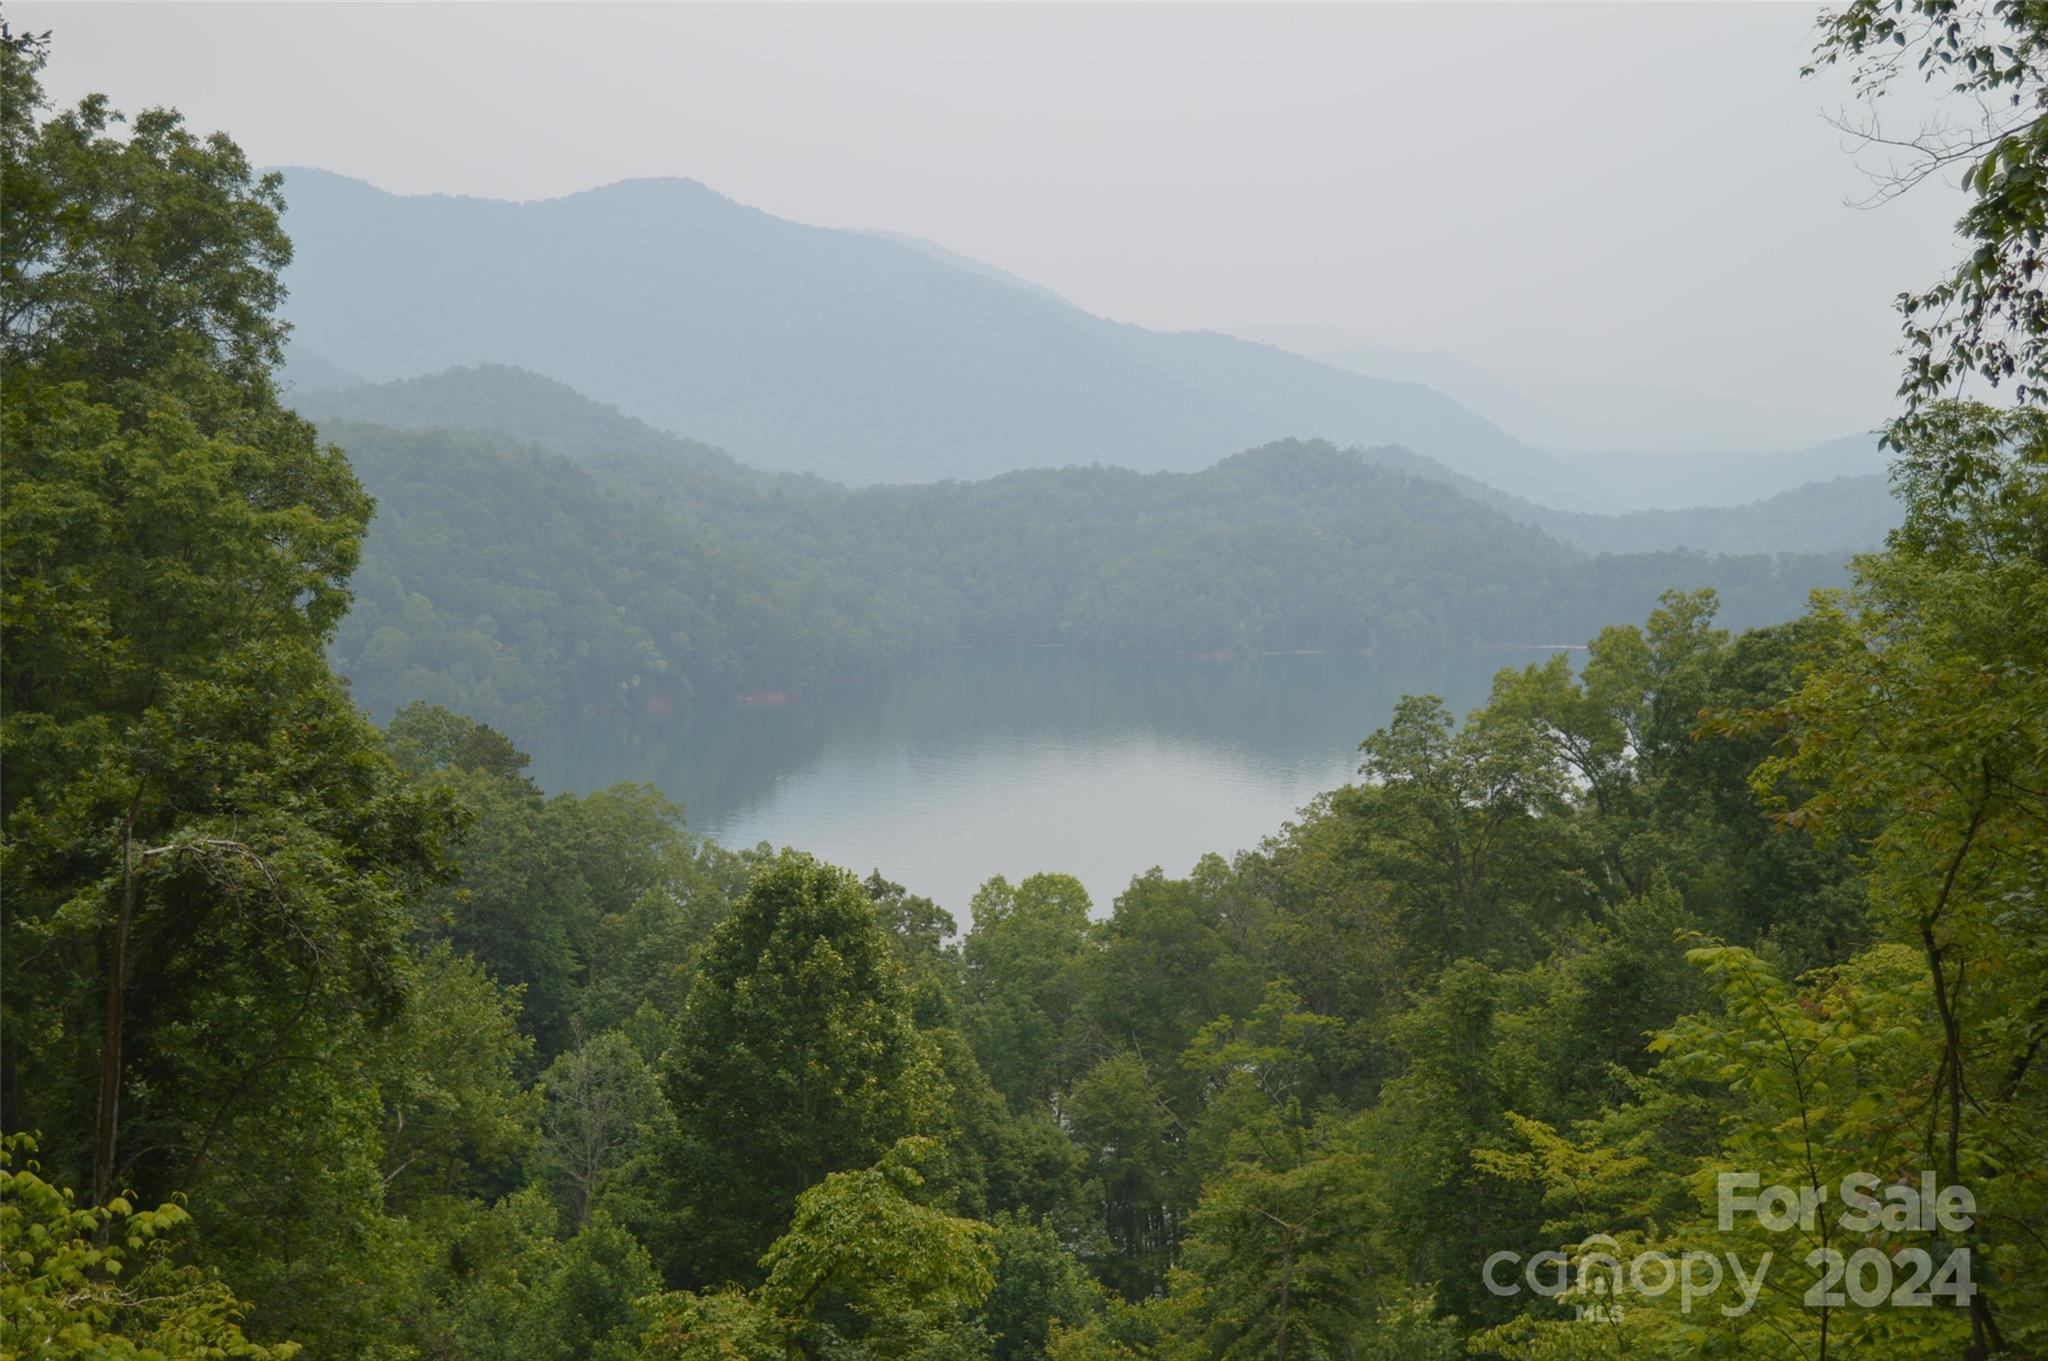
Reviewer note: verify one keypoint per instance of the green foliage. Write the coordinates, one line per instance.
(1277, 1256)
(589, 1307)
(97, 1282)
(1039, 1285)
(590, 904)
(1119, 1114)
(208, 860)
(1461, 814)
(601, 1128)
(523, 587)
(425, 737)
(1989, 317)
(861, 1246)
(796, 1056)
(1023, 959)
(125, 258)
(1925, 727)
(455, 1111)
(864, 1271)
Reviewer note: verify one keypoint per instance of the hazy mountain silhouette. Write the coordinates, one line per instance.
(499, 399)
(1844, 515)
(870, 357)
(804, 348)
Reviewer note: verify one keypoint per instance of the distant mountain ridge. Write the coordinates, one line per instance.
(531, 408)
(810, 349)
(1842, 515)
(869, 356)
(520, 585)
(968, 263)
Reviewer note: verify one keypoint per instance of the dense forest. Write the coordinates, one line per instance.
(536, 555)
(1837, 502)
(333, 1040)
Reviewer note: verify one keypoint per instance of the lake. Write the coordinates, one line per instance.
(987, 761)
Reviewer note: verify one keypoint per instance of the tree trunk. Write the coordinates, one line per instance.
(104, 1136)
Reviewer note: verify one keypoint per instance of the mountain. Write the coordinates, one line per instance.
(1843, 515)
(1672, 472)
(969, 263)
(569, 557)
(498, 399)
(803, 348)
(1719, 477)
(305, 372)
(1532, 419)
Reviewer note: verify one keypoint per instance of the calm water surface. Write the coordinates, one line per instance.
(1009, 761)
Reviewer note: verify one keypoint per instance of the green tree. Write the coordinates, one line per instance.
(1925, 729)
(1022, 976)
(1616, 725)
(864, 1271)
(425, 737)
(207, 859)
(97, 1283)
(455, 1111)
(1989, 317)
(1120, 1115)
(1280, 1248)
(586, 902)
(123, 259)
(796, 1056)
(601, 1127)
(1466, 821)
(1038, 1284)
(589, 1305)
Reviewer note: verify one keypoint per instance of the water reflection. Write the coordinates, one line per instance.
(977, 762)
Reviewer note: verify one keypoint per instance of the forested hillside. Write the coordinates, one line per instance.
(1836, 513)
(516, 585)
(521, 406)
(327, 1040)
(1843, 515)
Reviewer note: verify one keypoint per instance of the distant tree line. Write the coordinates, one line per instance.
(522, 586)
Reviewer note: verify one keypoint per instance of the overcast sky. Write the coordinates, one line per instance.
(1635, 214)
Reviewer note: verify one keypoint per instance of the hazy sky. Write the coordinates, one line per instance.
(1633, 213)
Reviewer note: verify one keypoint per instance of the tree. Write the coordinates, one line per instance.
(579, 900)
(1924, 728)
(795, 1057)
(864, 1270)
(97, 1283)
(1989, 317)
(1468, 1056)
(861, 1247)
(1280, 1249)
(1795, 1085)
(1022, 959)
(1462, 817)
(1119, 1114)
(426, 737)
(603, 1118)
(1038, 1285)
(206, 855)
(590, 1304)
(1614, 727)
(125, 259)
(455, 1110)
